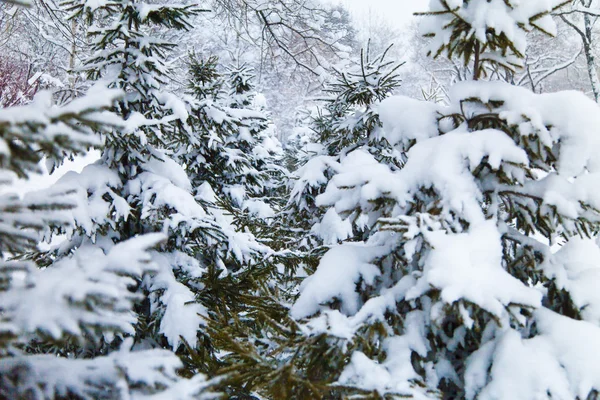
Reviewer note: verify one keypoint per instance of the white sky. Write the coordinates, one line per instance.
(396, 12)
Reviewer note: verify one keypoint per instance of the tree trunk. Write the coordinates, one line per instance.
(476, 67)
(590, 58)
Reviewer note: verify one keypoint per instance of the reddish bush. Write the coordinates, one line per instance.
(16, 83)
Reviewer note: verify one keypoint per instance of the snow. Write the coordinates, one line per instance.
(333, 229)
(177, 106)
(182, 315)
(560, 362)
(511, 19)
(68, 305)
(35, 211)
(311, 175)
(404, 119)
(344, 326)
(165, 184)
(243, 246)
(93, 184)
(43, 122)
(86, 291)
(365, 373)
(396, 374)
(357, 182)
(259, 209)
(134, 374)
(576, 269)
(98, 96)
(468, 267)
(346, 265)
(522, 370)
(441, 244)
(237, 193)
(443, 163)
(93, 5)
(569, 117)
(578, 355)
(423, 249)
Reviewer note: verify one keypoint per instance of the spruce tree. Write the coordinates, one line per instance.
(77, 301)
(257, 140)
(456, 290)
(266, 349)
(233, 162)
(349, 120)
(235, 150)
(209, 125)
(137, 187)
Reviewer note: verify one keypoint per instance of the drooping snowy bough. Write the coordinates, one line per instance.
(486, 32)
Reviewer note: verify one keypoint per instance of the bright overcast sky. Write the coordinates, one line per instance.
(395, 11)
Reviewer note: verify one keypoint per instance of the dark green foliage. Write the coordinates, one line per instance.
(29, 133)
(493, 48)
(240, 84)
(204, 80)
(348, 120)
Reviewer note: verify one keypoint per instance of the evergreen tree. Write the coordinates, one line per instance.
(229, 160)
(235, 155)
(266, 349)
(209, 125)
(301, 213)
(137, 188)
(348, 121)
(256, 139)
(235, 150)
(299, 144)
(426, 251)
(454, 291)
(78, 301)
(241, 88)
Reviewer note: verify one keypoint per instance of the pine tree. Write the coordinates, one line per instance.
(266, 349)
(233, 165)
(456, 292)
(136, 188)
(78, 301)
(348, 121)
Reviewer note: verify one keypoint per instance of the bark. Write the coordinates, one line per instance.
(476, 66)
(590, 58)
(586, 35)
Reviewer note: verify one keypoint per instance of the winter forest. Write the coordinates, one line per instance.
(280, 199)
